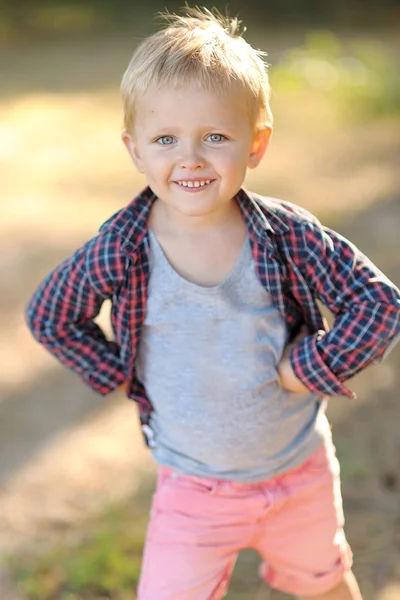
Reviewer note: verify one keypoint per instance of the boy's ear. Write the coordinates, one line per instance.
(259, 146)
(132, 147)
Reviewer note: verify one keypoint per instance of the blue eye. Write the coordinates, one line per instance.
(216, 137)
(165, 140)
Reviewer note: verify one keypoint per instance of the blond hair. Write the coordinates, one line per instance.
(204, 47)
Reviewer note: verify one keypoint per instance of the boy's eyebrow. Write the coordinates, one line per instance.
(206, 127)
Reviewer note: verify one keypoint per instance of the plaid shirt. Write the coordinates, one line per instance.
(297, 261)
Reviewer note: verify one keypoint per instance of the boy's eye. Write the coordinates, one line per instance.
(216, 137)
(165, 140)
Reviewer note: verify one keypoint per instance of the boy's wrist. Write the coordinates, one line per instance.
(288, 379)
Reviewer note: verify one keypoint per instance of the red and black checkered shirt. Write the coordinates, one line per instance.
(298, 261)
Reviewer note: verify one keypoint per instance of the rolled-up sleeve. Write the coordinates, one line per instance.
(61, 312)
(365, 305)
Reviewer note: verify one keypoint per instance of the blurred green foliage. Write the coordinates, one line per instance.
(21, 19)
(106, 563)
(361, 79)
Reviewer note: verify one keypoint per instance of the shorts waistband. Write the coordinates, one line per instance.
(169, 472)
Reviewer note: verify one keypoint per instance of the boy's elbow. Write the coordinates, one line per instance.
(39, 324)
(31, 319)
(396, 317)
(397, 313)
(34, 324)
(392, 328)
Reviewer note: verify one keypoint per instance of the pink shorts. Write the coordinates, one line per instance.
(198, 526)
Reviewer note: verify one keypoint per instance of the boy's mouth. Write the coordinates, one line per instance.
(193, 184)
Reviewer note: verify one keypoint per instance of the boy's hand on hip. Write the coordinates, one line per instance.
(287, 377)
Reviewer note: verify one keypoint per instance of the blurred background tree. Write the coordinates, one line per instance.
(20, 19)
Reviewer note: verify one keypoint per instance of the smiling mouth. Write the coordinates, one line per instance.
(194, 184)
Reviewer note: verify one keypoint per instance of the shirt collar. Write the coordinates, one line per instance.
(259, 215)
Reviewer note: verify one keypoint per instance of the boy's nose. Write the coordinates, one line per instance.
(192, 159)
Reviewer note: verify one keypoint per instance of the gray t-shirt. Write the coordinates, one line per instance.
(208, 359)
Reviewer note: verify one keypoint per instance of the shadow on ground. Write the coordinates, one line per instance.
(30, 421)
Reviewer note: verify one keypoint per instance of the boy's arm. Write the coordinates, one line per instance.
(61, 312)
(365, 304)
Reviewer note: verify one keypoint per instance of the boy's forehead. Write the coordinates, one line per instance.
(190, 102)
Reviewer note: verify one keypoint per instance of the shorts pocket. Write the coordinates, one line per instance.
(189, 484)
(174, 490)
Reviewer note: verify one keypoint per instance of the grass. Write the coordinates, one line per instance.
(104, 563)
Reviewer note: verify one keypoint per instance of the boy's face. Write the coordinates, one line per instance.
(194, 147)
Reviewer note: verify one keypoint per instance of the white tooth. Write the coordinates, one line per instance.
(190, 184)
(202, 183)
(197, 184)
(208, 181)
(184, 183)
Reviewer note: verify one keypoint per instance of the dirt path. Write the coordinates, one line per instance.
(72, 477)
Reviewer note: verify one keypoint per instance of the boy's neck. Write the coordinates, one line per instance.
(166, 218)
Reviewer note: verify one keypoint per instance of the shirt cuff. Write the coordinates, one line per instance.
(313, 372)
(108, 374)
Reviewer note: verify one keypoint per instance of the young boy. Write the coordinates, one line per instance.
(218, 334)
